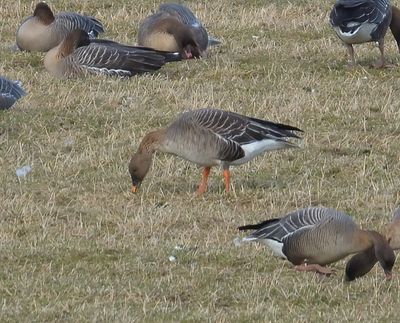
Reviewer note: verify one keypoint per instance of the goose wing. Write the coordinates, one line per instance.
(280, 229)
(110, 60)
(233, 130)
(239, 128)
(71, 21)
(10, 91)
(168, 56)
(349, 14)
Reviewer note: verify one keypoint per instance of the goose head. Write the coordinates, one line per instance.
(140, 162)
(43, 13)
(380, 251)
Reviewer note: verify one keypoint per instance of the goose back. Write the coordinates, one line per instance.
(211, 136)
(316, 235)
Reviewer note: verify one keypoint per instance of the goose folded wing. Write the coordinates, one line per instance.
(241, 129)
(71, 21)
(358, 12)
(110, 60)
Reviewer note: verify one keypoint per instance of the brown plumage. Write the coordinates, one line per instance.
(42, 31)
(210, 137)
(78, 55)
(314, 237)
(175, 28)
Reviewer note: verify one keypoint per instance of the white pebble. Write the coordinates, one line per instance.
(23, 171)
(172, 258)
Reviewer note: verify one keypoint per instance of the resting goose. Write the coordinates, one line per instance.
(42, 31)
(211, 137)
(79, 55)
(10, 91)
(175, 28)
(361, 21)
(314, 237)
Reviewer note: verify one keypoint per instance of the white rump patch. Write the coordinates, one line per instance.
(361, 35)
(275, 246)
(258, 147)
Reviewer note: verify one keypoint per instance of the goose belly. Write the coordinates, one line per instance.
(256, 148)
(361, 35)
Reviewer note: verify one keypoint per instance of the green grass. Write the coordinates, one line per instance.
(76, 245)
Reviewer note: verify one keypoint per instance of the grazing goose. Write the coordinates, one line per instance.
(361, 21)
(43, 31)
(210, 137)
(313, 237)
(175, 28)
(10, 91)
(78, 55)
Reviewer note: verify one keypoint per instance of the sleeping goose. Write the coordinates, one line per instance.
(10, 91)
(314, 237)
(211, 137)
(42, 31)
(361, 21)
(78, 55)
(175, 28)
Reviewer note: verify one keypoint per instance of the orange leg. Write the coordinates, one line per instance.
(315, 267)
(227, 177)
(204, 178)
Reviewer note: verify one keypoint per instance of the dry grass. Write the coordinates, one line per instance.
(76, 245)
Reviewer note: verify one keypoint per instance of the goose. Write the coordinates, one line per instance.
(43, 30)
(362, 21)
(313, 237)
(10, 92)
(211, 137)
(78, 55)
(175, 28)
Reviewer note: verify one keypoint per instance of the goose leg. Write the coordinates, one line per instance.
(204, 179)
(227, 177)
(352, 61)
(315, 267)
(381, 62)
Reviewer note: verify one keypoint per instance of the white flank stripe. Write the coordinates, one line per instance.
(258, 147)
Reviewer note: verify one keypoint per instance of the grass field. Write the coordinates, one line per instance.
(77, 246)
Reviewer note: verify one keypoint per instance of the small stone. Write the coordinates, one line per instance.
(23, 171)
(172, 258)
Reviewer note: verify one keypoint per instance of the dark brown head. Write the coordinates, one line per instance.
(188, 48)
(139, 166)
(43, 13)
(140, 162)
(184, 37)
(361, 263)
